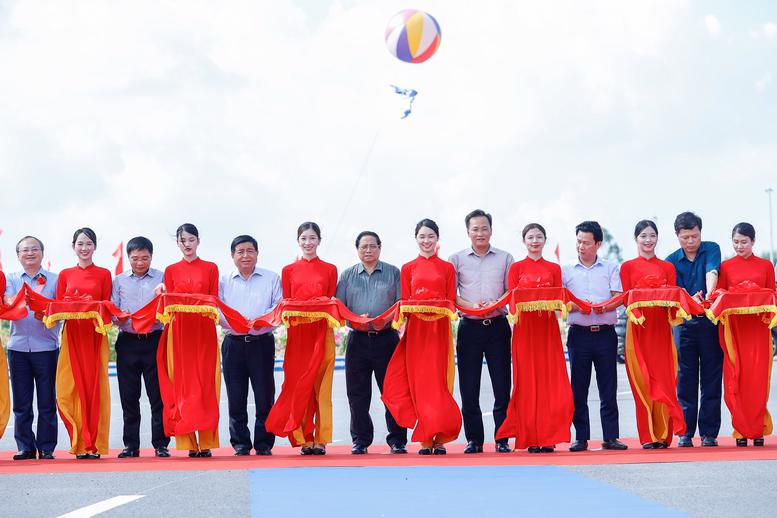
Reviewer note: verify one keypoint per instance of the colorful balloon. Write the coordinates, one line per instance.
(413, 36)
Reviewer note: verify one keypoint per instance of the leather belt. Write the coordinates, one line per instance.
(594, 328)
(374, 333)
(140, 336)
(485, 321)
(247, 338)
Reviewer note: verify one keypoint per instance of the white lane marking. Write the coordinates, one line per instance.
(101, 507)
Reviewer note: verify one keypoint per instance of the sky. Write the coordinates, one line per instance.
(254, 116)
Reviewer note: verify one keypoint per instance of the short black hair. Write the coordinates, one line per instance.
(40, 243)
(745, 229)
(642, 225)
(243, 238)
(140, 243)
(189, 229)
(88, 232)
(686, 221)
(591, 227)
(309, 225)
(532, 226)
(477, 213)
(367, 233)
(428, 223)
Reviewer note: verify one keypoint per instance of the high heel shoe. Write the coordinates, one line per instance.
(743, 442)
(758, 442)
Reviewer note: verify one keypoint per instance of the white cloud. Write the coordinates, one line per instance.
(712, 24)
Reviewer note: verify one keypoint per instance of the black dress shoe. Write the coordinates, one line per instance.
(534, 449)
(425, 451)
(162, 451)
(398, 449)
(473, 447)
(439, 449)
(742, 442)
(319, 450)
(686, 441)
(128, 452)
(758, 442)
(547, 449)
(89, 456)
(205, 453)
(579, 446)
(194, 453)
(46, 455)
(709, 441)
(306, 450)
(358, 449)
(264, 451)
(660, 445)
(503, 447)
(614, 444)
(25, 455)
(242, 452)
(649, 446)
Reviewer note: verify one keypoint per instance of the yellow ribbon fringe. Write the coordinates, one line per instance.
(307, 317)
(751, 310)
(99, 326)
(539, 305)
(427, 313)
(206, 311)
(681, 314)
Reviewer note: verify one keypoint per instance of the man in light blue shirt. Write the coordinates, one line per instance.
(253, 292)
(32, 358)
(136, 353)
(591, 340)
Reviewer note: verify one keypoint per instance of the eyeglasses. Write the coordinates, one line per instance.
(33, 250)
(364, 248)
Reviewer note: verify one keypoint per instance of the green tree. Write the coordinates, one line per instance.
(612, 249)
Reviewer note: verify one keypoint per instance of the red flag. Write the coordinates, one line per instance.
(558, 259)
(119, 254)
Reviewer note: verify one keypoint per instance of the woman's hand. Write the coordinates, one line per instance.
(160, 289)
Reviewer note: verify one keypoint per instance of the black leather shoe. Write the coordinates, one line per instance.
(709, 441)
(660, 445)
(439, 449)
(46, 455)
(205, 453)
(242, 452)
(649, 446)
(742, 443)
(534, 449)
(398, 449)
(425, 451)
(128, 452)
(194, 453)
(306, 450)
(162, 451)
(503, 447)
(319, 450)
(758, 442)
(264, 452)
(614, 444)
(25, 455)
(90, 456)
(686, 441)
(579, 446)
(358, 449)
(547, 449)
(473, 447)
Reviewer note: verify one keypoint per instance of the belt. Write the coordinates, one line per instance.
(374, 333)
(595, 328)
(248, 338)
(140, 336)
(485, 321)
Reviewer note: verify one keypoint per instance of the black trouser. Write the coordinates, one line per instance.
(136, 358)
(476, 339)
(243, 361)
(31, 372)
(700, 367)
(367, 353)
(588, 347)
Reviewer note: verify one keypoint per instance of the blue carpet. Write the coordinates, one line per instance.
(429, 492)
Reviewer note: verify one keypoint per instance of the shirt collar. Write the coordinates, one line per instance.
(236, 273)
(147, 274)
(378, 267)
(597, 262)
(489, 251)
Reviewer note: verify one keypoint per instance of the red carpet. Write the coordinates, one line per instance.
(340, 456)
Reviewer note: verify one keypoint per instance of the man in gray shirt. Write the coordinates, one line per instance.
(481, 276)
(369, 288)
(136, 353)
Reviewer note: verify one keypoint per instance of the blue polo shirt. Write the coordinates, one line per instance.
(691, 275)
